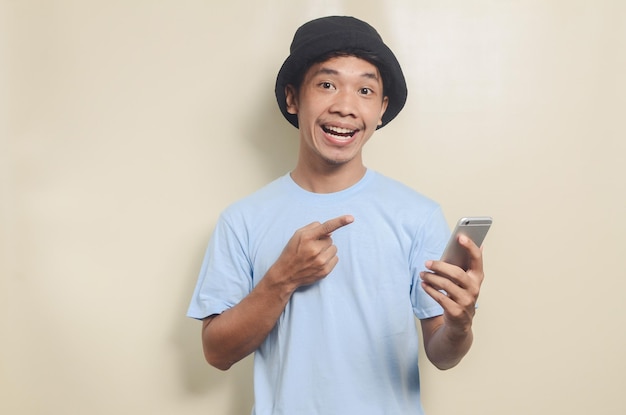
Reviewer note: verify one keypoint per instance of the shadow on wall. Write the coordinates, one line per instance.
(270, 133)
(277, 144)
(197, 377)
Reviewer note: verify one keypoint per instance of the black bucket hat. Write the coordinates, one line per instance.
(336, 34)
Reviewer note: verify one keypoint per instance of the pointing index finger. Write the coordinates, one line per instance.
(331, 225)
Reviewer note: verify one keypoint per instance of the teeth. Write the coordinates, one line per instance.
(339, 131)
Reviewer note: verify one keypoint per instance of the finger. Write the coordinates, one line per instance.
(475, 254)
(440, 269)
(442, 298)
(441, 283)
(310, 226)
(330, 226)
(454, 302)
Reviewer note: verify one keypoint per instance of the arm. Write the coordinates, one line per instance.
(448, 338)
(308, 257)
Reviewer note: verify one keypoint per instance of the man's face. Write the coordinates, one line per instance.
(339, 105)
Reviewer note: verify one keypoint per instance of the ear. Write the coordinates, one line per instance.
(291, 99)
(383, 109)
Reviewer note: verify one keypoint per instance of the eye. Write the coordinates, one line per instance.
(326, 85)
(366, 91)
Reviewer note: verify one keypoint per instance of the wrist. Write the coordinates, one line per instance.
(456, 333)
(276, 282)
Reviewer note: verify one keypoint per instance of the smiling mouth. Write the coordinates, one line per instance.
(340, 133)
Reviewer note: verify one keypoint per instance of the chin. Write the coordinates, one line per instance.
(339, 161)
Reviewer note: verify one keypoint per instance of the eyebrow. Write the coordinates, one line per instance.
(329, 71)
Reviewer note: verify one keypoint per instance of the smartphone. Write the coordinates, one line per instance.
(475, 228)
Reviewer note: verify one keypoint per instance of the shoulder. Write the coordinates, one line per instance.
(394, 192)
(266, 200)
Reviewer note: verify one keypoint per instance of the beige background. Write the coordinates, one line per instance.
(127, 126)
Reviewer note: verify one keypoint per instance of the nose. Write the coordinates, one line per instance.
(344, 104)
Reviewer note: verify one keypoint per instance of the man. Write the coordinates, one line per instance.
(322, 272)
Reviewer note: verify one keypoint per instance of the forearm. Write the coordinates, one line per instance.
(229, 337)
(445, 347)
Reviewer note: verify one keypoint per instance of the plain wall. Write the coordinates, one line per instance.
(127, 126)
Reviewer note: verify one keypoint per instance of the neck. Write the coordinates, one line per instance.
(327, 180)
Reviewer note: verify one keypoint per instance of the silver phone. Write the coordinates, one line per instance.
(475, 228)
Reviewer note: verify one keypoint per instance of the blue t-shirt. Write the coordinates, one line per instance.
(347, 344)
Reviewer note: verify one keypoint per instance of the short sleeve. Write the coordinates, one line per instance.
(225, 276)
(429, 243)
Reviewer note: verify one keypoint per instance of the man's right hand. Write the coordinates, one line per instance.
(310, 255)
